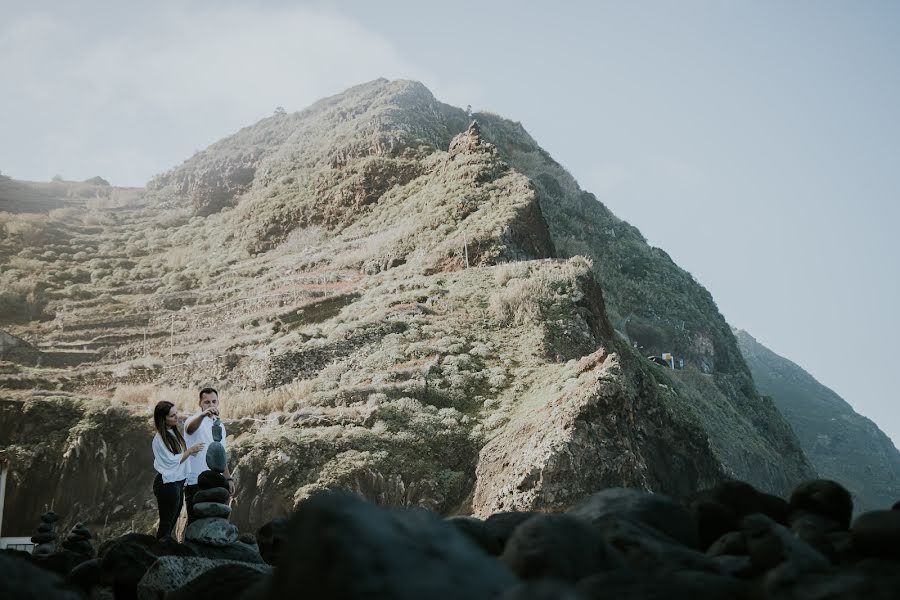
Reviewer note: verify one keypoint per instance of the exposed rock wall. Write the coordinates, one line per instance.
(90, 461)
(604, 429)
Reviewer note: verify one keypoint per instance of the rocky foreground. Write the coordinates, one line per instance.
(728, 542)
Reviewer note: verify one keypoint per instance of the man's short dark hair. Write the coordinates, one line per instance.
(208, 391)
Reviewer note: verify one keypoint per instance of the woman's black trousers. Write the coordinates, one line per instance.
(169, 499)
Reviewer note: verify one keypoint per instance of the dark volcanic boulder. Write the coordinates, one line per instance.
(343, 547)
(713, 519)
(544, 590)
(223, 581)
(646, 549)
(208, 480)
(172, 575)
(87, 575)
(674, 585)
(866, 580)
(236, 551)
(271, 539)
(558, 547)
(877, 533)
(825, 498)
(60, 562)
(657, 511)
(21, 580)
(501, 525)
(212, 509)
(770, 544)
(740, 497)
(730, 544)
(128, 557)
(475, 529)
(216, 494)
(719, 510)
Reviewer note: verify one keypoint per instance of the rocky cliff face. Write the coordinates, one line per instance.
(84, 458)
(602, 428)
(841, 444)
(398, 301)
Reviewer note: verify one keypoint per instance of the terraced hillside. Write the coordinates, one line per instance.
(390, 299)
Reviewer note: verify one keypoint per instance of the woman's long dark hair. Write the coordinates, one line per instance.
(160, 413)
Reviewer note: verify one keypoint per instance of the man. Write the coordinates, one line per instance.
(198, 429)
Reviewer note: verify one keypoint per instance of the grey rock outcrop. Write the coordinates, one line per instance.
(170, 573)
(599, 433)
(211, 531)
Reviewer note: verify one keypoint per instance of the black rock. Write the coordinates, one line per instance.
(730, 544)
(247, 538)
(544, 590)
(271, 539)
(60, 562)
(824, 497)
(657, 511)
(44, 527)
(86, 575)
(215, 510)
(219, 583)
(875, 580)
(844, 552)
(343, 547)
(79, 546)
(22, 580)
(740, 497)
(126, 560)
(236, 551)
(714, 520)
(877, 533)
(558, 547)
(49, 517)
(646, 549)
(677, 585)
(44, 537)
(475, 530)
(210, 479)
(501, 525)
(816, 531)
(774, 507)
(81, 531)
(216, 494)
(896, 505)
(170, 547)
(770, 544)
(735, 566)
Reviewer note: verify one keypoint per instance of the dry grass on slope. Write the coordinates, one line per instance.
(235, 405)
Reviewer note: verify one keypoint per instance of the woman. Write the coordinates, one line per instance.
(169, 456)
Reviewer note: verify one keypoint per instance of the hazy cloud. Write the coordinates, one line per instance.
(84, 99)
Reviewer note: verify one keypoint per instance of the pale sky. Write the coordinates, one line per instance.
(758, 143)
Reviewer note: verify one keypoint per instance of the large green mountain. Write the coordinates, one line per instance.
(392, 299)
(840, 443)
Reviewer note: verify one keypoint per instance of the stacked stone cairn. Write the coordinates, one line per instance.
(79, 541)
(45, 538)
(212, 535)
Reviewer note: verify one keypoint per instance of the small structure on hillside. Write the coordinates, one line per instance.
(658, 360)
(667, 359)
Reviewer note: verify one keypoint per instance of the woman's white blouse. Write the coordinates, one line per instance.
(167, 464)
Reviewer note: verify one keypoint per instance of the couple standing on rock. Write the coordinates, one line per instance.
(179, 460)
